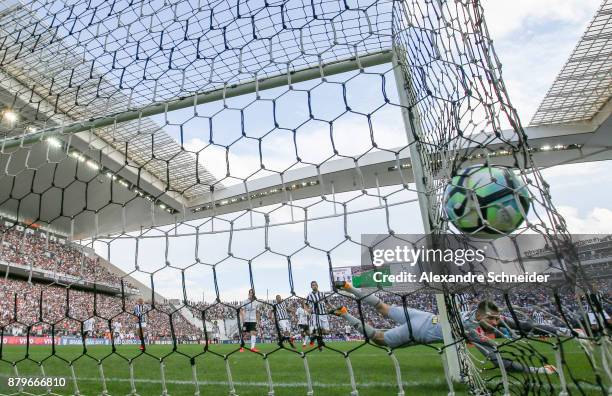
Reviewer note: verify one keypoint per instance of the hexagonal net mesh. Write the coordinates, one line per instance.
(176, 176)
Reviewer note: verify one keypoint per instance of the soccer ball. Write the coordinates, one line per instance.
(486, 201)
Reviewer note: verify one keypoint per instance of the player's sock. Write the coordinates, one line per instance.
(356, 324)
(367, 298)
(253, 340)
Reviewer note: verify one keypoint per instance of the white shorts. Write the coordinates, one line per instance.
(423, 328)
(284, 325)
(319, 322)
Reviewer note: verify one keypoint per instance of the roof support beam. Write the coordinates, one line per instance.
(291, 77)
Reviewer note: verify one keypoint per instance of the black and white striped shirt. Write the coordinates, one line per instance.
(463, 303)
(538, 317)
(317, 304)
(140, 311)
(281, 311)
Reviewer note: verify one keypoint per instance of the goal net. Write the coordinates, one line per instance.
(163, 160)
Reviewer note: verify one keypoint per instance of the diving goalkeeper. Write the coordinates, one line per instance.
(424, 327)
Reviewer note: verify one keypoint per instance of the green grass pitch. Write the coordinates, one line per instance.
(421, 368)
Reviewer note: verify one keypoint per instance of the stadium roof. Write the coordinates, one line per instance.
(584, 85)
(42, 79)
(37, 79)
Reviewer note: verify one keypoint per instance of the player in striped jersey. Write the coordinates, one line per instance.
(538, 317)
(462, 301)
(249, 316)
(140, 314)
(283, 321)
(319, 322)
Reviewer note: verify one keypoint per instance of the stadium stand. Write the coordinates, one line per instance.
(69, 284)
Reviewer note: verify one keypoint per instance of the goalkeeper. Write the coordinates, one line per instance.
(424, 327)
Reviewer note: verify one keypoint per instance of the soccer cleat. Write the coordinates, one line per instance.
(339, 311)
(141, 347)
(254, 349)
(547, 369)
(339, 285)
(241, 350)
(311, 343)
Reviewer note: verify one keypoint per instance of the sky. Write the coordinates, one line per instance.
(532, 40)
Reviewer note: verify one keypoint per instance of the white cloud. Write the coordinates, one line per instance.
(596, 221)
(579, 181)
(505, 17)
(573, 171)
(533, 39)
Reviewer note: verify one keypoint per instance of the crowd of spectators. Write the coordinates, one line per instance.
(527, 302)
(29, 248)
(36, 308)
(228, 312)
(43, 310)
(40, 309)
